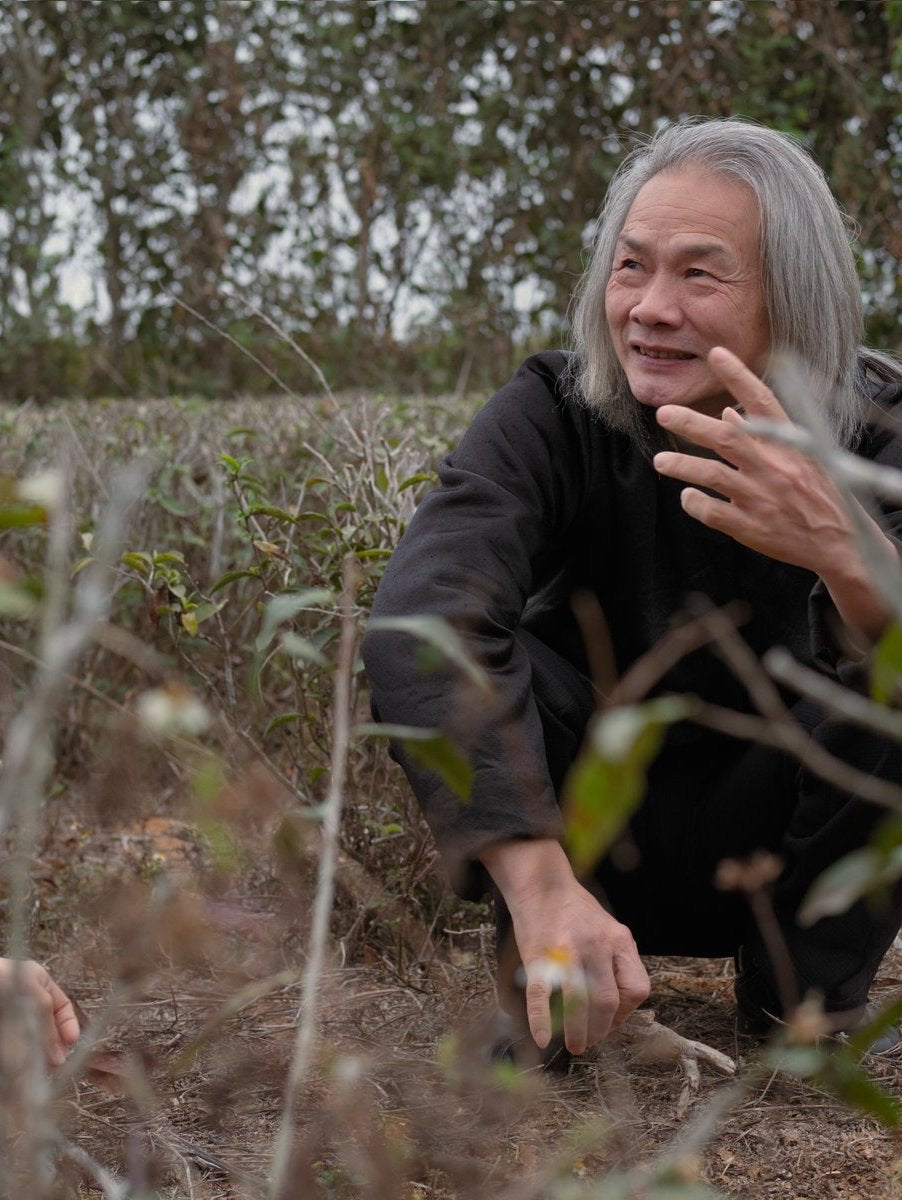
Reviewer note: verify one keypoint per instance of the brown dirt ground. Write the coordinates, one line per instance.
(387, 1074)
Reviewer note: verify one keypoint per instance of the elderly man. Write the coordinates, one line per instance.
(719, 243)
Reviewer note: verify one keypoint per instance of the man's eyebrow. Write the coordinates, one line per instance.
(688, 250)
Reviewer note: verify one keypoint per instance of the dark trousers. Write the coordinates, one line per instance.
(712, 797)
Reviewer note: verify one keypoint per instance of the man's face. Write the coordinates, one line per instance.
(686, 277)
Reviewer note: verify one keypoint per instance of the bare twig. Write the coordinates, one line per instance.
(325, 888)
(112, 1188)
(778, 728)
(27, 759)
(842, 701)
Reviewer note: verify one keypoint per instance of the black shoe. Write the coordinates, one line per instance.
(758, 1011)
(507, 1039)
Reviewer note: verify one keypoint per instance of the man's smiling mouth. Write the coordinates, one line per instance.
(648, 353)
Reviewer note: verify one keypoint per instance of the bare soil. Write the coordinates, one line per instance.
(393, 1091)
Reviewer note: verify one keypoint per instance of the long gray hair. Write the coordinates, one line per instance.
(810, 283)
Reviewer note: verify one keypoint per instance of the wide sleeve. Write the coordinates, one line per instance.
(475, 550)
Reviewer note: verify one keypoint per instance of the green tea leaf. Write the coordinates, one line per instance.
(138, 561)
(850, 1082)
(607, 782)
(802, 1061)
(278, 722)
(270, 510)
(303, 649)
(433, 750)
(853, 876)
(232, 576)
(174, 507)
(18, 516)
(863, 1037)
(413, 480)
(886, 666)
(441, 637)
(286, 606)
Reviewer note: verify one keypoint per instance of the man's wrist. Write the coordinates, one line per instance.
(524, 868)
(852, 589)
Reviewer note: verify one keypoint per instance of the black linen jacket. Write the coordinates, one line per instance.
(539, 500)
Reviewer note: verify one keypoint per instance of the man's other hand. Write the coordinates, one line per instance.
(56, 1014)
(566, 941)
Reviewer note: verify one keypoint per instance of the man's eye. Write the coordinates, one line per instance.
(696, 273)
(630, 264)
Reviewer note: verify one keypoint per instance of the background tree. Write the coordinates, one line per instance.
(405, 186)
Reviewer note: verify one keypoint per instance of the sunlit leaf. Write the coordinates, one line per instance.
(607, 782)
(189, 623)
(433, 750)
(441, 637)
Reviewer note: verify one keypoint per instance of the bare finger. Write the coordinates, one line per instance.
(703, 472)
(576, 1012)
(64, 1017)
(633, 985)
(744, 385)
(730, 441)
(604, 1000)
(538, 1009)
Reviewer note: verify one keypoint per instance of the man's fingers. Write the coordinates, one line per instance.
(64, 1017)
(538, 1010)
(604, 1000)
(576, 1013)
(744, 385)
(703, 472)
(633, 985)
(729, 440)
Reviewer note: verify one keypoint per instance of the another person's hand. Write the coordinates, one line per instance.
(56, 1014)
(566, 941)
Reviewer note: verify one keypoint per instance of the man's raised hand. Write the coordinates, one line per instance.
(775, 499)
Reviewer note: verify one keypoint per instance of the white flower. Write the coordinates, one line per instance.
(172, 709)
(46, 489)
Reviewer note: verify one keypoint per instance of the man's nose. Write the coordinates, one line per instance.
(658, 304)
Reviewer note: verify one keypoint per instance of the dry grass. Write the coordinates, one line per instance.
(173, 877)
